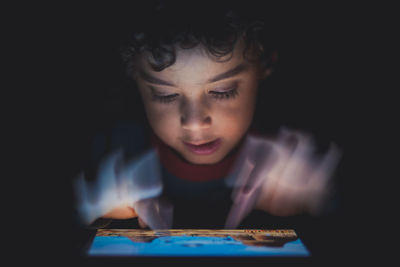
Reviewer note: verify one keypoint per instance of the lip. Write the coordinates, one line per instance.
(203, 148)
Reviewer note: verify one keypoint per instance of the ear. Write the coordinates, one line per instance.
(266, 73)
(268, 68)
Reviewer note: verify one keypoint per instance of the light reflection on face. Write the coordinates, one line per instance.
(199, 100)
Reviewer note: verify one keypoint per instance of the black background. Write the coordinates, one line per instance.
(328, 81)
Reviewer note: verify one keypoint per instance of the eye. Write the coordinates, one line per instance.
(226, 94)
(165, 98)
(160, 97)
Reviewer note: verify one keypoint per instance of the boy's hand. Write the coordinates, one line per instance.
(299, 181)
(283, 177)
(119, 185)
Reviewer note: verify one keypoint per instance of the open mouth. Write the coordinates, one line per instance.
(205, 148)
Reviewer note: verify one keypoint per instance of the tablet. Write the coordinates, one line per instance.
(197, 243)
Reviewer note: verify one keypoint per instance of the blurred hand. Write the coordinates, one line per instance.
(118, 189)
(298, 180)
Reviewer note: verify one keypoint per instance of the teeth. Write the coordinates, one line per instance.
(198, 144)
(202, 144)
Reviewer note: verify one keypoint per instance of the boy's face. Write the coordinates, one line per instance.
(198, 106)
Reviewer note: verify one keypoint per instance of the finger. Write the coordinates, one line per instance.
(286, 201)
(142, 224)
(329, 162)
(121, 213)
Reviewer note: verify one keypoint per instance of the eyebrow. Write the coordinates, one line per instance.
(151, 79)
(230, 73)
(227, 74)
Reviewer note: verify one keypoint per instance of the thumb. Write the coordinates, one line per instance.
(142, 224)
(124, 212)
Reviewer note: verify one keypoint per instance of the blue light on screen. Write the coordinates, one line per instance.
(190, 246)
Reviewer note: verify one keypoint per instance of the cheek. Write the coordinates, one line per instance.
(233, 121)
(162, 120)
(237, 120)
(156, 115)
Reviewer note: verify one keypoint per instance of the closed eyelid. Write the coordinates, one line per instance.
(225, 88)
(154, 90)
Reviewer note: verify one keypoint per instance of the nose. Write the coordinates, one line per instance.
(195, 116)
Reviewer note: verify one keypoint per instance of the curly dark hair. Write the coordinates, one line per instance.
(216, 26)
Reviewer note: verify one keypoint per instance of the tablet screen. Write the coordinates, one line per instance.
(197, 243)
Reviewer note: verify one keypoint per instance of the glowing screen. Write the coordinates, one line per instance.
(203, 242)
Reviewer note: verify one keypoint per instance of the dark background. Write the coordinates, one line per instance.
(326, 83)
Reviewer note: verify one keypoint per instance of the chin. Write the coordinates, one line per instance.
(204, 162)
(208, 160)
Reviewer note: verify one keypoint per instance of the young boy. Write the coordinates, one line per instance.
(198, 69)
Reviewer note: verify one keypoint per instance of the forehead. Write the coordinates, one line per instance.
(194, 65)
